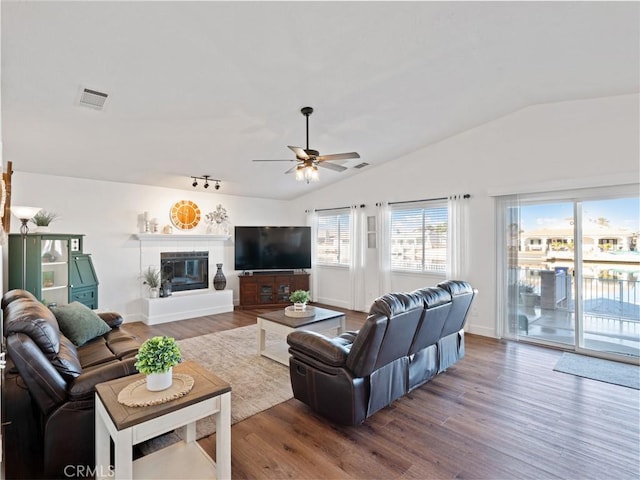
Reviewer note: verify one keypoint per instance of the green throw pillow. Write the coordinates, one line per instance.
(79, 323)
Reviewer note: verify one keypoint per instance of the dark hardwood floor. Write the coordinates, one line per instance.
(500, 413)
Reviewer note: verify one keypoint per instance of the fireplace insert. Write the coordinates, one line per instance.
(185, 270)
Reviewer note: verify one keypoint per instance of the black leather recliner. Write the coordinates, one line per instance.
(61, 377)
(406, 340)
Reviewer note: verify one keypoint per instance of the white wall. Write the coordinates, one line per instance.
(544, 147)
(108, 214)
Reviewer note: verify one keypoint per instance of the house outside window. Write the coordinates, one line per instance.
(419, 237)
(333, 239)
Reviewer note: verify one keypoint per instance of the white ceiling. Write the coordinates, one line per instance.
(205, 87)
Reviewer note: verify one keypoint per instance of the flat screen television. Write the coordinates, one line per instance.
(272, 248)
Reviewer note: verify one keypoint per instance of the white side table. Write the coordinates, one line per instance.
(128, 426)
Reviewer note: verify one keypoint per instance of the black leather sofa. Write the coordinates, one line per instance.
(406, 340)
(60, 379)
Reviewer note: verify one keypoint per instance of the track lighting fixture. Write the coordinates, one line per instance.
(206, 179)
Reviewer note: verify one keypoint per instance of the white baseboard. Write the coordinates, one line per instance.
(332, 302)
(480, 330)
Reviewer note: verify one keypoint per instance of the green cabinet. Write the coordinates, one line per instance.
(57, 270)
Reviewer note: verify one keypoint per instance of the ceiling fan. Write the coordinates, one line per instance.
(308, 160)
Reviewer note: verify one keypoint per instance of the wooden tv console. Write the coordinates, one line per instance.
(270, 289)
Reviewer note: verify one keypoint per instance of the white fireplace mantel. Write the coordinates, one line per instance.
(154, 237)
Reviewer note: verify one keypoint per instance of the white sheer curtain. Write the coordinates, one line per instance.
(384, 248)
(357, 246)
(312, 221)
(458, 237)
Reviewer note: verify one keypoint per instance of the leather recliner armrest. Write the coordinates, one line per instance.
(113, 319)
(83, 387)
(331, 351)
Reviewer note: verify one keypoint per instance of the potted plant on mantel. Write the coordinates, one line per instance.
(43, 219)
(300, 299)
(156, 358)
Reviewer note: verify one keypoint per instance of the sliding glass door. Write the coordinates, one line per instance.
(610, 276)
(571, 273)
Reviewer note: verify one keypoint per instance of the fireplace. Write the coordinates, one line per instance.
(185, 270)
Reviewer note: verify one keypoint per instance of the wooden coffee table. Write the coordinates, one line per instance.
(128, 426)
(277, 322)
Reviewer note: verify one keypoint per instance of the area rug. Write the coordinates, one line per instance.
(257, 383)
(598, 369)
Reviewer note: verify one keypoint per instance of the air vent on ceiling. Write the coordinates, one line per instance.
(93, 99)
(361, 165)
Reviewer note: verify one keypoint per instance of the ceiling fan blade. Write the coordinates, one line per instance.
(338, 156)
(282, 160)
(332, 166)
(292, 169)
(300, 153)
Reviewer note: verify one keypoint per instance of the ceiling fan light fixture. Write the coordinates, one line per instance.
(313, 173)
(307, 173)
(308, 159)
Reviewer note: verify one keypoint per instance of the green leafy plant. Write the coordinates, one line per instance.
(157, 355)
(152, 277)
(44, 218)
(300, 296)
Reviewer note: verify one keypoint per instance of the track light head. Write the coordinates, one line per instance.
(206, 179)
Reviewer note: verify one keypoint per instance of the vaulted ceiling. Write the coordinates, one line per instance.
(202, 87)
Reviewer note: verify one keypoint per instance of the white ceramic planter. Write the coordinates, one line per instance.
(299, 307)
(159, 381)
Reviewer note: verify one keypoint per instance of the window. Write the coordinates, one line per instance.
(333, 241)
(419, 237)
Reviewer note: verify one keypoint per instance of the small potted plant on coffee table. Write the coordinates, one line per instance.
(156, 358)
(300, 299)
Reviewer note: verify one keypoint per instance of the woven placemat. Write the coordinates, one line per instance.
(136, 394)
(292, 312)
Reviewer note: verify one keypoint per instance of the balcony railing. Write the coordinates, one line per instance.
(610, 306)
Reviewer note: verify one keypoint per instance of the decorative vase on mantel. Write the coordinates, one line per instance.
(217, 228)
(219, 280)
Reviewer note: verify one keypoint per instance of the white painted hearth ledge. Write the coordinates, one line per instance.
(183, 305)
(143, 237)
